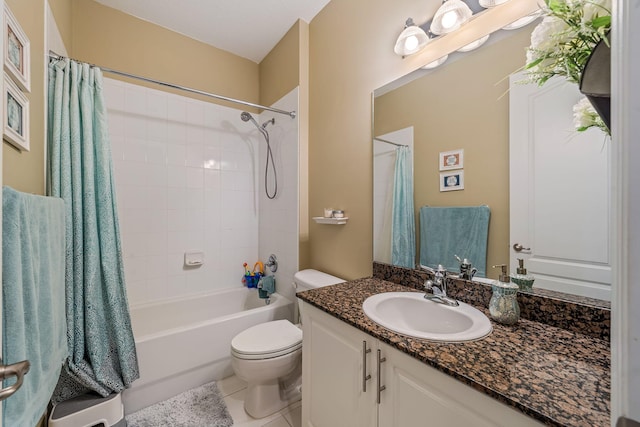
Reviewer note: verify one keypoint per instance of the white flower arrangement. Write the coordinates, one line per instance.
(585, 117)
(562, 43)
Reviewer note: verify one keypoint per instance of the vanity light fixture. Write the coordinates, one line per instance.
(474, 44)
(411, 40)
(450, 16)
(525, 20)
(436, 63)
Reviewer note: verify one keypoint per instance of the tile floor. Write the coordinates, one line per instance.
(233, 388)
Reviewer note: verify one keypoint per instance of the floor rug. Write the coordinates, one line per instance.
(198, 407)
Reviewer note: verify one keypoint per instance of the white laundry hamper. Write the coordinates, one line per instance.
(89, 411)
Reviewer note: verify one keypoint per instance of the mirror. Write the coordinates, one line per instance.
(463, 104)
(559, 178)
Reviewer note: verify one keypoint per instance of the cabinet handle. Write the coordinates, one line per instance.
(381, 388)
(365, 377)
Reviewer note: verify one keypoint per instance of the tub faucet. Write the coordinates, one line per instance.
(438, 286)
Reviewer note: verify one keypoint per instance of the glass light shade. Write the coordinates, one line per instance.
(474, 44)
(450, 16)
(525, 20)
(436, 63)
(491, 3)
(411, 40)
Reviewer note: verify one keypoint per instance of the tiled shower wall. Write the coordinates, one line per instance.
(187, 179)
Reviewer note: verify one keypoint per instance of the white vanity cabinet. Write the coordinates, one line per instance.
(413, 394)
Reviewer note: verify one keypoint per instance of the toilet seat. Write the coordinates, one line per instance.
(267, 340)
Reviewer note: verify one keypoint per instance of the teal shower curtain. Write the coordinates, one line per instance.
(102, 354)
(403, 236)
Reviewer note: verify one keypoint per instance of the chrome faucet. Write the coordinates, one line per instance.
(438, 286)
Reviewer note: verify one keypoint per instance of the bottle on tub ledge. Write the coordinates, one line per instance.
(521, 278)
(503, 306)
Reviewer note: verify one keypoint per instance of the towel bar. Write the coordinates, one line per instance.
(18, 370)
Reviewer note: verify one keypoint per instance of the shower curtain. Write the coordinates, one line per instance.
(403, 237)
(102, 354)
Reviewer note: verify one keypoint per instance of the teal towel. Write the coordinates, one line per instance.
(266, 286)
(449, 231)
(33, 305)
(403, 237)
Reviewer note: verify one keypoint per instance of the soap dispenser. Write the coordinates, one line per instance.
(521, 278)
(503, 306)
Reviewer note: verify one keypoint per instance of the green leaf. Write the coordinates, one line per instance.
(601, 21)
(533, 64)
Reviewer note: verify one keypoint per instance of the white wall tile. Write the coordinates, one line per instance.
(186, 180)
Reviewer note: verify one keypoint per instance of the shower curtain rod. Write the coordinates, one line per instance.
(291, 114)
(389, 142)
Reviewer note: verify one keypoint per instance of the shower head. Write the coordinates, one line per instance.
(248, 117)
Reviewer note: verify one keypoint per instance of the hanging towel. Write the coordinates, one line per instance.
(266, 286)
(449, 231)
(403, 238)
(33, 310)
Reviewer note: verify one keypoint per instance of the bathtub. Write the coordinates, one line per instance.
(185, 343)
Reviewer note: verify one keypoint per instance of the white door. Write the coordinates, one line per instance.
(559, 191)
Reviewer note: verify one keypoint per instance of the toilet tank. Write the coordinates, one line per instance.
(307, 279)
(311, 279)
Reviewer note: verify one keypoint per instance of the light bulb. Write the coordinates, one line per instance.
(449, 19)
(411, 43)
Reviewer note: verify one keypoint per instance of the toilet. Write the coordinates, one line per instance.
(268, 356)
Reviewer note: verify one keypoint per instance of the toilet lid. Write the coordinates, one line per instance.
(278, 336)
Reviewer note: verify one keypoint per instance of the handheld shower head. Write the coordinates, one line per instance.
(245, 116)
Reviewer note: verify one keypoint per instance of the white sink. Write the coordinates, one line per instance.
(409, 313)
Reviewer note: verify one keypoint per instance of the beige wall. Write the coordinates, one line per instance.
(279, 70)
(24, 171)
(351, 55)
(62, 13)
(461, 105)
(110, 38)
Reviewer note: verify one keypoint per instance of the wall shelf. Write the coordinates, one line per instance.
(333, 221)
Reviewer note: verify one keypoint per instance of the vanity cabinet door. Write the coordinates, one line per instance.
(418, 395)
(332, 373)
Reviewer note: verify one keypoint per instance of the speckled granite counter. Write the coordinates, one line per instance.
(558, 376)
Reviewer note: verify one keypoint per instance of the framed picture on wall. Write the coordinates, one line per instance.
(452, 181)
(16, 115)
(16, 51)
(450, 160)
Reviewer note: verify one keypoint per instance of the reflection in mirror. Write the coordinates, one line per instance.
(461, 105)
(395, 243)
(464, 105)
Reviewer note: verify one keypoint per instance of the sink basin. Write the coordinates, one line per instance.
(409, 313)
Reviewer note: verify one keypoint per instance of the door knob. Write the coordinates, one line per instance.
(518, 247)
(18, 370)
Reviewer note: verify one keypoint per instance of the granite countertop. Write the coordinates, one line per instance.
(559, 377)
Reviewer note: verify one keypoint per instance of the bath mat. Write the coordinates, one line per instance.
(198, 407)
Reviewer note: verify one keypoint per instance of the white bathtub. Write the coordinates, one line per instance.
(185, 343)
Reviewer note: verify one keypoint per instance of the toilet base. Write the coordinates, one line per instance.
(268, 397)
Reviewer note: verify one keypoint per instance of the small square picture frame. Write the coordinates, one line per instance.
(451, 160)
(17, 51)
(15, 120)
(452, 181)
